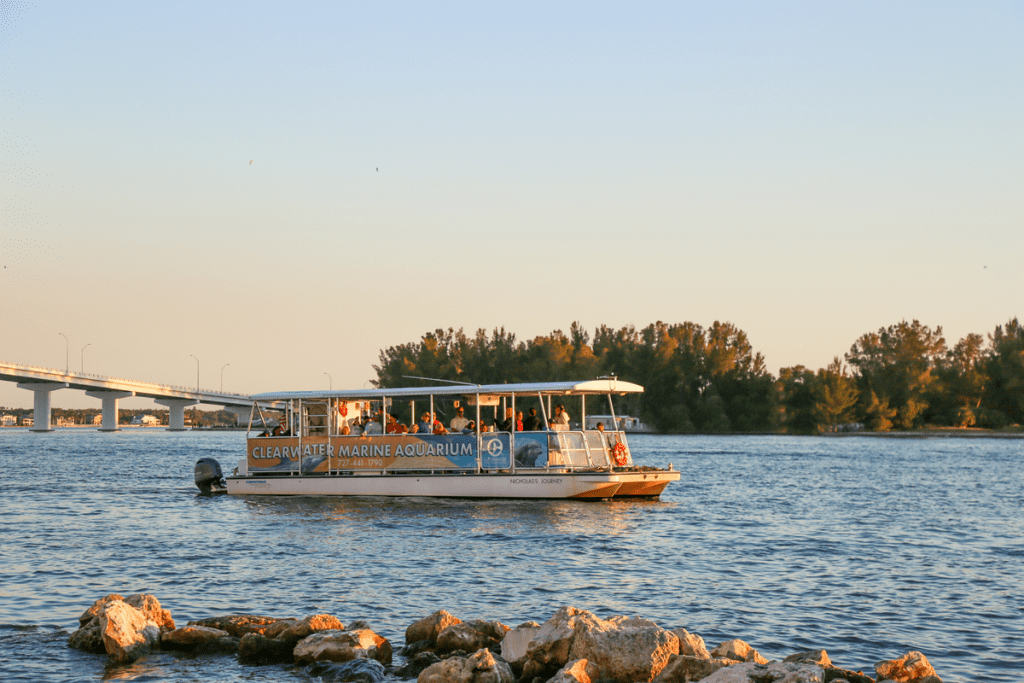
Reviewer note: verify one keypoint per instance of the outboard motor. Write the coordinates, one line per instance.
(209, 476)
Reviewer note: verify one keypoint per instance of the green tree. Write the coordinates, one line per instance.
(1005, 369)
(894, 370)
(837, 394)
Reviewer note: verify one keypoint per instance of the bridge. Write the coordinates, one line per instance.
(43, 381)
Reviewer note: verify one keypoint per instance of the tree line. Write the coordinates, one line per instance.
(711, 380)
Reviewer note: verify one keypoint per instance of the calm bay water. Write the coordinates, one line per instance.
(866, 547)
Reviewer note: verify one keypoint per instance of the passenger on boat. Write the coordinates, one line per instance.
(531, 423)
(372, 428)
(561, 418)
(519, 420)
(460, 421)
(505, 425)
(423, 426)
(355, 427)
(345, 430)
(280, 430)
(470, 428)
(600, 426)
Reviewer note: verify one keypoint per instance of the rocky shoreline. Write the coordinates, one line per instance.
(573, 646)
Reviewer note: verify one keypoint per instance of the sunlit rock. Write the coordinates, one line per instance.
(738, 651)
(239, 625)
(294, 630)
(150, 607)
(188, 638)
(691, 644)
(913, 667)
(514, 644)
(819, 657)
(625, 649)
(127, 633)
(576, 671)
(343, 646)
(471, 636)
(481, 667)
(428, 628)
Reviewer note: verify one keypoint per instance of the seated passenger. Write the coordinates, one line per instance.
(459, 422)
(345, 431)
(423, 426)
(470, 428)
(519, 421)
(373, 428)
(505, 425)
(600, 426)
(355, 427)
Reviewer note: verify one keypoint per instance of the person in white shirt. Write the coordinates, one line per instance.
(459, 422)
(561, 418)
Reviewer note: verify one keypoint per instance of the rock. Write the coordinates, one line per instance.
(775, 672)
(471, 636)
(691, 644)
(515, 642)
(551, 644)
(625, 649)
(357, 670)
(576, 671)
(239, 625)
(343, 646)
(481, 667)
(188, 638)
(294, 630)
(429, 627)
(94, 611)
(415, 648)
(910, 667)
(416, 664)
(833, 673)
(683, 668)
(738, 651)
(127, 633)
(150, 607)
(222, 645)
(256, 648)
(89, 637)
(819, 657)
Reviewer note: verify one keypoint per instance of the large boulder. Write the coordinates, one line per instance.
(551, 644)
(911, 667)
(481, 667)
(833, 673)
(738, 651)
(781, 672)
(239, 625)
(470, 636)
(416, 664)
(429, 627)
(685, 668)
(127, 633)
(691, 644)
(625, 649)
(89, 637)
(343, 646)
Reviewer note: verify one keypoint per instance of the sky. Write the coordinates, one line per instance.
(272, 193)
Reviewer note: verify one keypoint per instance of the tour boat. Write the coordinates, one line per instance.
(319, 452)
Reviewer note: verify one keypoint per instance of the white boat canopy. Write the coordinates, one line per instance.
(595, 386)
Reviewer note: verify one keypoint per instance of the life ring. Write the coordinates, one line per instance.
(619, 454)
(343, 409)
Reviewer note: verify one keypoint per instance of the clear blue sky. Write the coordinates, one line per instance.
(807, 171)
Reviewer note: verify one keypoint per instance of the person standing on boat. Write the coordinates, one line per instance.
(505, 425)
(459, 422)
(561, 418)
(532, 423)
(519, 420)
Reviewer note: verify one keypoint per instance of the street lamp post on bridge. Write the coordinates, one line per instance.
(83, 356)
(67, 347)
(222, 377)
(197, 372)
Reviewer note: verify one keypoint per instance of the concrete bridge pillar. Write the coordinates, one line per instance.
(110, 399)
(41, 407)
(177, 407)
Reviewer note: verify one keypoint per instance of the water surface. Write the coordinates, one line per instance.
(866, 547)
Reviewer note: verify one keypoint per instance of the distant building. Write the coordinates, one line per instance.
(8, 420)
(97, 419)
(145, 420)
(27, 422)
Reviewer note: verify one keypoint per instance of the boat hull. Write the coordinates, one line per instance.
(581, 485)
(647, 484)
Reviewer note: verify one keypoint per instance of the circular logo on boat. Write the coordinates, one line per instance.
(494, 447)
